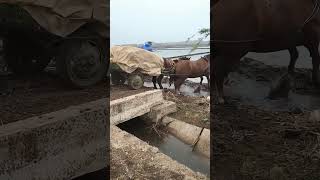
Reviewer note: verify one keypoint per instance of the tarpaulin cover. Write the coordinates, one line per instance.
(62, 17)
(130, 59)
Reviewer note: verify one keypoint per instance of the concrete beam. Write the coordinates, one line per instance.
(58, 145)
(189, 134)
(130, 107)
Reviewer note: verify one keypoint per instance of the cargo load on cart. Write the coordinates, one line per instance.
(133, 64)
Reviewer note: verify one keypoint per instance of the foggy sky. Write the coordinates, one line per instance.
(137, 21)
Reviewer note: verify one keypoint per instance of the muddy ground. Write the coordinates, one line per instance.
(259, 139)
(42, 94)
(192, 110)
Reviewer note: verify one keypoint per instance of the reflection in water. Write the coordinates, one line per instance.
(186, 90)
(251, 92)
(168, 145)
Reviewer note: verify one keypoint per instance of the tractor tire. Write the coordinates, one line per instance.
(135, 81)
(81, 62)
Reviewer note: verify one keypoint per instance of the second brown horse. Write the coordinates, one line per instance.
(182, 70)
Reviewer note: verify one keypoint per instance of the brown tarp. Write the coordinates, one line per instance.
(130, 59)
(62, 17)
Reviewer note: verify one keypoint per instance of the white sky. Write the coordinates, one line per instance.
(137, 21)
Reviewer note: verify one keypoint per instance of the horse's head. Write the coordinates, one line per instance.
(168, 63)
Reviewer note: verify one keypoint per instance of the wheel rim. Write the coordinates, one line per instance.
(86, 65)
(136, 81)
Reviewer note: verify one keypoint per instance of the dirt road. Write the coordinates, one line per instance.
(43, 94)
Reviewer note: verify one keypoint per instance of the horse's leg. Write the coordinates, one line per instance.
(314, 53)
(171, 79)
(159, 79)
(221, 67)
(218, 63)
(154, 80)
(294, 54)
(208, 78)
(177, 84)
(200, 86)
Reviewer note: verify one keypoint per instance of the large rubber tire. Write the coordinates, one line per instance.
(25, 56)
(135, 81)
(81, 62)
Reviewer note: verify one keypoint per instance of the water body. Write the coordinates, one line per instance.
(185, 89)
(169, 145)
(282, 58)
(251, 92)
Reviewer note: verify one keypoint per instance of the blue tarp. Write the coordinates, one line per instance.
(147, 46)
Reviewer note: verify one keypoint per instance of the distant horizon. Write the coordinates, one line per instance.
(135, 22)
(170, 42)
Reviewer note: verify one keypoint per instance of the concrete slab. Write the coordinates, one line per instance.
(130, 107)
(58, 145)
(132, 158)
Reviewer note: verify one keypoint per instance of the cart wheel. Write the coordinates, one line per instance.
(117, 78)
(135, 81)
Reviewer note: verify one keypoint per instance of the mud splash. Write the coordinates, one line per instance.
(168, 145)
(251, 82)
(187, 89)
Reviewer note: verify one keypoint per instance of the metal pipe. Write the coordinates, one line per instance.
(189, 55)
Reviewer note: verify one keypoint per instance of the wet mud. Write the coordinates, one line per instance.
(250, 84)
(256, 138)
(44, 93)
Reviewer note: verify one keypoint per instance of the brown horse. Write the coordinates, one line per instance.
(171, 78)
(262, 26)
(187, 69)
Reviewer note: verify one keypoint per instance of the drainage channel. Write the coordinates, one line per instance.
(167, 144)
(101, 174)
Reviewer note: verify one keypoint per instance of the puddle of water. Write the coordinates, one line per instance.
(182, 153)
(251, 92)
(184, 89)
(169, 145)
(282, 58)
